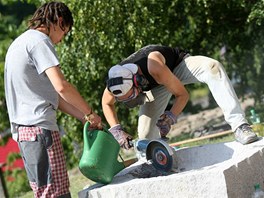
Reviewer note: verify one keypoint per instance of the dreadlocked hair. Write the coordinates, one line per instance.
(49, 13)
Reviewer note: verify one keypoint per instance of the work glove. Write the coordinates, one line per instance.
(164, 123)
(121, 136)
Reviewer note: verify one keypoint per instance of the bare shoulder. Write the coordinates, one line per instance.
(156, 55)
(156, 63)
(157, 67)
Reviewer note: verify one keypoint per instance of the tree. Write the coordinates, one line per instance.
(12, 15)
(107, 31)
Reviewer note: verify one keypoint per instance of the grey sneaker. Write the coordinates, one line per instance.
(245, 135)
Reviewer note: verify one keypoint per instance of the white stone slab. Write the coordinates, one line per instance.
(217, 170)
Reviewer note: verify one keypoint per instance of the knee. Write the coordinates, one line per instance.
(215, 68)
(147, 128)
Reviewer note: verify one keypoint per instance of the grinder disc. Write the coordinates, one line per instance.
(161, 159)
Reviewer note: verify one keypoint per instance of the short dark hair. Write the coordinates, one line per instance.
(49, 13)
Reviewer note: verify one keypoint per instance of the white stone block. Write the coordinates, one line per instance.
(218, 170)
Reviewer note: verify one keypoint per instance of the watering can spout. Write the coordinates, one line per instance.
(99, 158)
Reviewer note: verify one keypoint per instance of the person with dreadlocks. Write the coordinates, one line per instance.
(35, 88)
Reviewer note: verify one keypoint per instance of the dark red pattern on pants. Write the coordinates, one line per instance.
(60, 185)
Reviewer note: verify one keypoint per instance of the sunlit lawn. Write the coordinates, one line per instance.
(77, 181)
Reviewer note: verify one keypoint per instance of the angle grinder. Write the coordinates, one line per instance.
(159, 153)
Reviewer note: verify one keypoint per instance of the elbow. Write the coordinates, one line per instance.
(186, 95)
(183, 96)
(107, 99)
(62, 88)
(103, 100)
(106, 104)
(103, 104)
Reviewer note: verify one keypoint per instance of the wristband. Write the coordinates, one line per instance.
(116, 127)
(87, 117)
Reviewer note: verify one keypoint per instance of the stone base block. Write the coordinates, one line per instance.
(217, 170)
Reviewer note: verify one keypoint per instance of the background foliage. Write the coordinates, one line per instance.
(104, 32)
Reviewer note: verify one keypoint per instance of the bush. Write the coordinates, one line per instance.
(16, 178)
(16, 182)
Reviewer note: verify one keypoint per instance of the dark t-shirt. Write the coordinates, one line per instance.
(172, 57)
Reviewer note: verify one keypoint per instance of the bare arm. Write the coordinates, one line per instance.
(70, 95)
(71, 110)
(108, 101)
(108, 105)
(162, 74)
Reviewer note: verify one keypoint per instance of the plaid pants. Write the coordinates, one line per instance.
(44, 161)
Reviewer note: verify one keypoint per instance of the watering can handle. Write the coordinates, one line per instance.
(87, 124)
(86, 129)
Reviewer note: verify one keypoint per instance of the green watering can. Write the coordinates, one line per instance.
(99, 158)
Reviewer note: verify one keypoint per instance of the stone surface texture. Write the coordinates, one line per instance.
(216, 170)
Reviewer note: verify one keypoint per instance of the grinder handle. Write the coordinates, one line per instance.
(130, 143)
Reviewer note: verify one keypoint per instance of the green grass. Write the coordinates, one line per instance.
(257, 128)
(226, 138)
(77, 182)
(199, 93)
